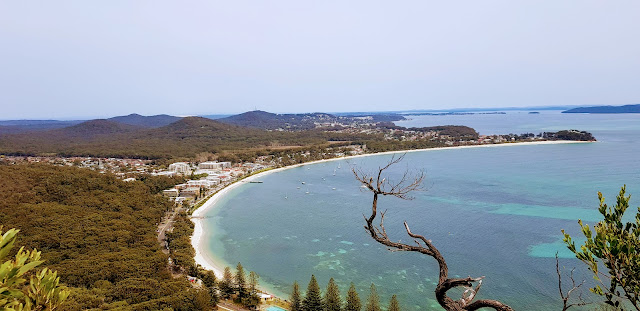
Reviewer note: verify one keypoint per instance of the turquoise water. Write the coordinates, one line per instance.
(274, 308)
(494, 211)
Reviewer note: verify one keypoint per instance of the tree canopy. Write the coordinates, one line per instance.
(615, 245)
(332, 300)
(353, 300)
(313, 299)
(98, 232)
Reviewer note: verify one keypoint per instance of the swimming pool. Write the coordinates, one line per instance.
(274, 308)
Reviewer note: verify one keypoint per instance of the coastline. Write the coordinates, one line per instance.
(198, 233)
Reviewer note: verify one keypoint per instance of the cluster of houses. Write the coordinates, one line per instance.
(120, 167)
(211, 174)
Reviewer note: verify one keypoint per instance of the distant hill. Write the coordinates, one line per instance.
(450, 130)
(606, 109)
(146, 121)
(304, 121)
(93, 128)
(193, 127)
(266, 120)
(20, 126)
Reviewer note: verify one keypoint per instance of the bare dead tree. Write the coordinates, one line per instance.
(381, 186)
(567, 296)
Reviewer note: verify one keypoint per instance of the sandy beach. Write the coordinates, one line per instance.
(207, 262)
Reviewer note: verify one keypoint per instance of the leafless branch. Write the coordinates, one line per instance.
(567, 296)
(379, 185)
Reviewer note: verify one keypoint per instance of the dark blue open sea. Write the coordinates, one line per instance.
(494, 211)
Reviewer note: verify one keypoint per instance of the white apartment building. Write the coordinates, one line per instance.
(180, 168)
(200, 183)
(212, 165)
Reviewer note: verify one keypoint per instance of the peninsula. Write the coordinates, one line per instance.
(606, 109)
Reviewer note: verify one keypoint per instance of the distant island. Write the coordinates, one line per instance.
(606, 109)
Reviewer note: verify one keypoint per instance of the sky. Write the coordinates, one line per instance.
(78, 59)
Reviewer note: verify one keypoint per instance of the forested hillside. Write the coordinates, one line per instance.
(146, 121)
(98, 232)
(184, 138)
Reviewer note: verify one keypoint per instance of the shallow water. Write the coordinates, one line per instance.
(493, 211)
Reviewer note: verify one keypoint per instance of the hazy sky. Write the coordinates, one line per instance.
(68, 59)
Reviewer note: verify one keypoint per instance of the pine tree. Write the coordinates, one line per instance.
(332, 300)
(241, 282)
(353, 300)
(251, 299)
(393, 304)
(313, 299)
(296, 300)
(208, 277)
(253, 282)
(226, 285)
(373, 301)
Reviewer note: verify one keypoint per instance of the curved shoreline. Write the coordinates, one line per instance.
(198, 233)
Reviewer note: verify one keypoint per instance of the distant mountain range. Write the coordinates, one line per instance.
(21, 126)
(184, 138)
(254, 119)
(606, 109)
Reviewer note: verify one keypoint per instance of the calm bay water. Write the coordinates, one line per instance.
(494, 211)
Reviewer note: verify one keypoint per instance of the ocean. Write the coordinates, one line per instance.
(495, 212)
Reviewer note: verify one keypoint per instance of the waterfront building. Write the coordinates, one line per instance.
(190, 192)
(211, 165)
(180, 168)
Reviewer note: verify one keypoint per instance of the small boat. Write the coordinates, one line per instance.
(298, 187)
(255, 182)
(333, 188)
(303, 182)
(307, 192)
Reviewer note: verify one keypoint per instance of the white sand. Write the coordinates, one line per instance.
(198, 233)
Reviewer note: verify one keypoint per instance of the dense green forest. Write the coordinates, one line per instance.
(98, 232)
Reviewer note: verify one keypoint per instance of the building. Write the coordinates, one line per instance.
(181, 186)
(165, 173)
(171, 192)
(266, 297)
(215, 179)
(201, 183)
(180, 168)
(190, 192)
(212, 165)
